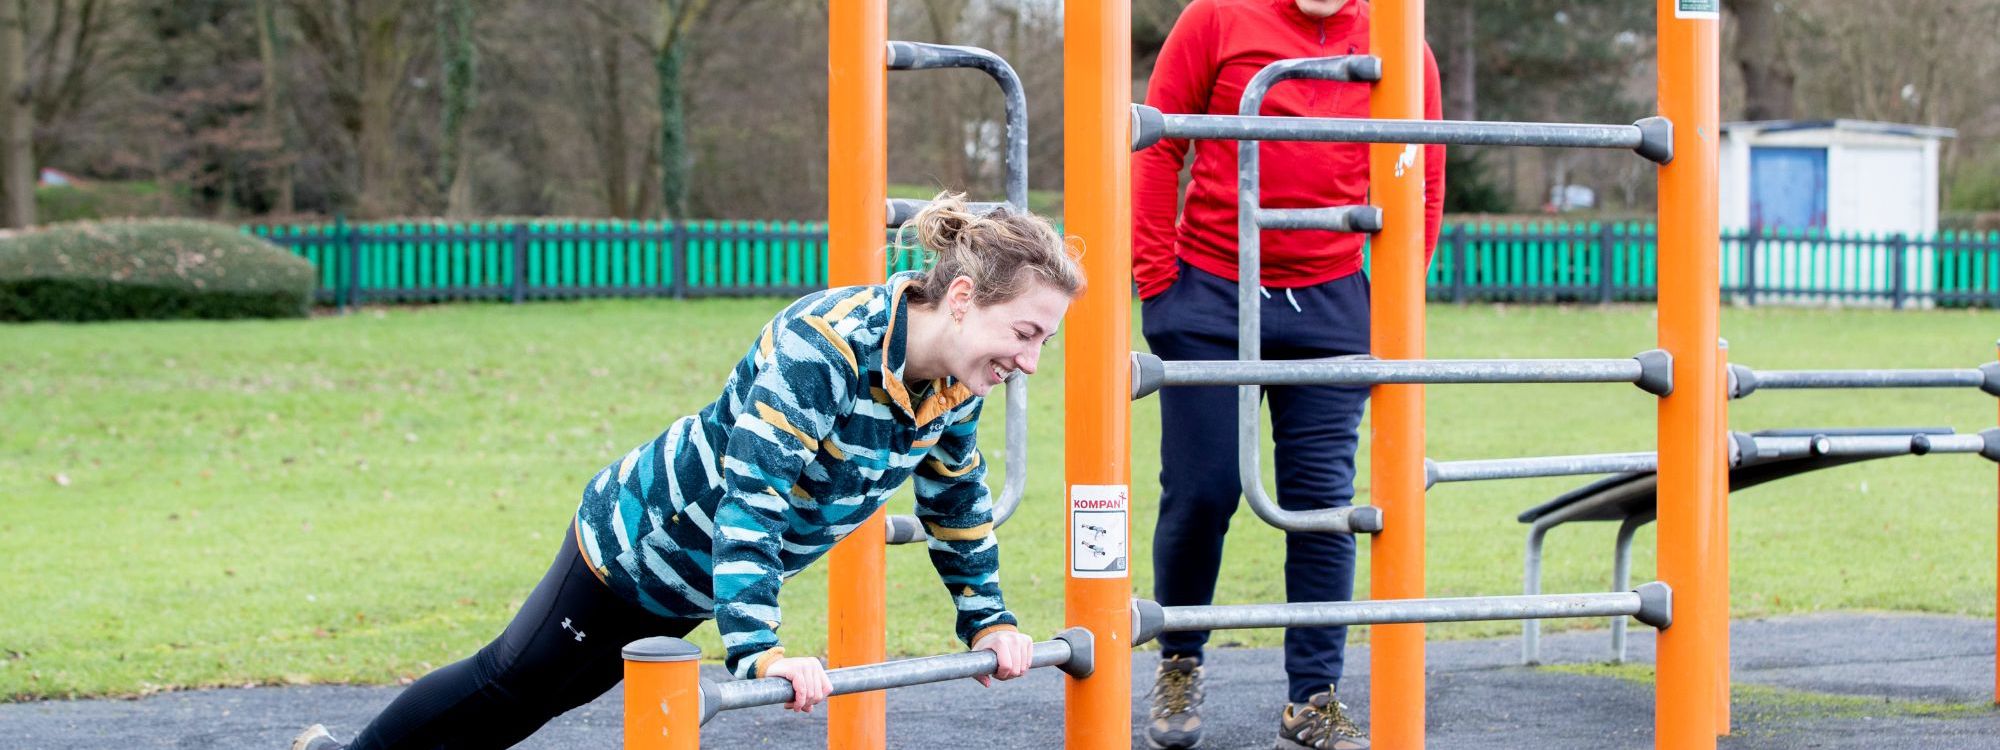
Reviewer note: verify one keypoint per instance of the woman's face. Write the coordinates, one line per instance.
(991, 342)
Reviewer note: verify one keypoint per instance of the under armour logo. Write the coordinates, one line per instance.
(566, 626)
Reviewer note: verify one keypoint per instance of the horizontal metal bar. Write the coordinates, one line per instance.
(1331, 218)
(1379, 372)
(904, 210)
(928, 56)
(1859, 446)
(1650, 600)
(770, 691)
(1539, 466)
(1797, 379)
(1651, 137)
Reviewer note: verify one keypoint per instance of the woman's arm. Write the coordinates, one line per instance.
(802, 381)
(957, 512)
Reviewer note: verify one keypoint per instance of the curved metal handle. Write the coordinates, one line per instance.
(924, 56)
(1249, 308)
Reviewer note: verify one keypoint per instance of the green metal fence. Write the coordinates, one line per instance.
(1528, 262)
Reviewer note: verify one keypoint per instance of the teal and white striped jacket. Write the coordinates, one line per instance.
(813, 432)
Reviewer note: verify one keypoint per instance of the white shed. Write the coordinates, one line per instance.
(1835, 204)
(1841, 176)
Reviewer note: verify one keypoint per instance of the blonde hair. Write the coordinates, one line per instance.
(1001, 251)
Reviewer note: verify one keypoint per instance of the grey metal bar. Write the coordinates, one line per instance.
(923, 56)
(1650, 602)
(1538, 466)
(1621, 576)
(903, 210)
(1343, 68)
(1345, 371)
(1531, 585)
(1250, 215)
(1650, 137)
(770, 691)
(1332, 218)
(1750, 380)
(1779, 447)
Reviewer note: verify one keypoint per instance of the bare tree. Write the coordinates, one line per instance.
(364, 57)
(17, 156)
(459, 60)
(276, 103)
(1758, 50)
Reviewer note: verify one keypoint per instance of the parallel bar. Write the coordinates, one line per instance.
(771, 691)
(1383, 372)
(1647, 137)
(1800, 379)
(1332, 218)
(1540, 466)
(1769, 447)
(902, 211)
(1460, 609)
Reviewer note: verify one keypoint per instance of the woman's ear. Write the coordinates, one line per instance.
(959, 294)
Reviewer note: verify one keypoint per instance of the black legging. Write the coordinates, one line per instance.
(561, 651)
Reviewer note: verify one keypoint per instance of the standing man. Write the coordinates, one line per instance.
(1316, 305)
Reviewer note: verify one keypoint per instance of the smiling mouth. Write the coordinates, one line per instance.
(999, 373)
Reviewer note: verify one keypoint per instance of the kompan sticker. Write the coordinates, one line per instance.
(1098, 524)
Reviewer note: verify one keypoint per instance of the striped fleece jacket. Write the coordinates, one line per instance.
(814, 430)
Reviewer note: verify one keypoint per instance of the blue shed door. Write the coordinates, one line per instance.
(1788, 187)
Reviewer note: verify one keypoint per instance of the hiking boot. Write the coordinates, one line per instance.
(1320, 723)
(316, 738)
(1176, 702)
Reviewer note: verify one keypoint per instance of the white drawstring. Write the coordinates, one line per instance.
(1288, 297)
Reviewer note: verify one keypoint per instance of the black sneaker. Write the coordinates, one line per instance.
(1320, 723)
(316, 738)
(1177, 698)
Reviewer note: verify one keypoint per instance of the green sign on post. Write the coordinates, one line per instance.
(1697, 9)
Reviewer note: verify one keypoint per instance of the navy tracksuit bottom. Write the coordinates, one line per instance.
(1315, 430)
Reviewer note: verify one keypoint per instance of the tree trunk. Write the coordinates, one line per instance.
(675, 18)
(612, 150)
(1767, 75)
(1461, 97)
(673, 151)
(460, 60)
(276, 121)
(381, 75)
(17, 156)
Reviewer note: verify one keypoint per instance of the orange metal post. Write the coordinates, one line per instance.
(1721, 634)
(857, 184)
(662, 695)
(1097, 156)
(1396, 565)
(1684, 710)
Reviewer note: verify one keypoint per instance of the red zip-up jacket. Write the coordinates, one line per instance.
(1214, 49)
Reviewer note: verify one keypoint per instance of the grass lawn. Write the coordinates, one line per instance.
(363, 498)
